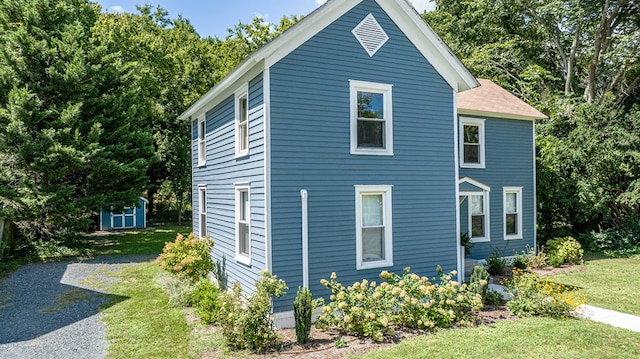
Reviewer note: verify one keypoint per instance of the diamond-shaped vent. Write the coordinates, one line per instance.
(370, 34)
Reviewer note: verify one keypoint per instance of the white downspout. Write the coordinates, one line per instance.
(305, 238)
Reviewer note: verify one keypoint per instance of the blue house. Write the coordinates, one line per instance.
(337, 147)
(126, 218)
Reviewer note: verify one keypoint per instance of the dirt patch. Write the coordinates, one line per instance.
(553, 271)
(548, 271)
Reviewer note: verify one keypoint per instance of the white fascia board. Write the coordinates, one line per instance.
(246, 71)
(274, 51)
(304, 30)
(507, 116)
(434, 50)
(475, 183)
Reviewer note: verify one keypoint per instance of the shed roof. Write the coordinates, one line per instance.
(401, 12)
(492, 100)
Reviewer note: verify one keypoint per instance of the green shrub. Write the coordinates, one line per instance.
(532, 295)
(520, 260)
(622, 241)
(246, 323)
(303, 307)
(493, 297)
(366, 309)
(564, 250)
(496, 263)
(188, 258)
(479, 281)
(179, 290)
(206, 301)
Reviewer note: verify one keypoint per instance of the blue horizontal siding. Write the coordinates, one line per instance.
(221, 173)
(310, 149)
(509, 162)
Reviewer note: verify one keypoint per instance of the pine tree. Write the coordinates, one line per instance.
(71, 138)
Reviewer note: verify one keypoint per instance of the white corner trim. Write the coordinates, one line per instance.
(456, 169)
(266, 88)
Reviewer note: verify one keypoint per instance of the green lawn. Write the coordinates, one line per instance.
(137, 242)
(610, 283)
(140, 323)
(526, 338)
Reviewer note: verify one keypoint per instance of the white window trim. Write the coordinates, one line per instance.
(202, 209)
(386, 91)
(241, 257)
(518, 192)
(487, 219)
(473, 122)
(202, 140)
(240, 93)
(385, 190)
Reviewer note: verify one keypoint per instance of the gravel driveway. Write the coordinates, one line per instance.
(49, 310)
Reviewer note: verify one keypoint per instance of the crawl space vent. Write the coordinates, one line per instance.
(370, 34)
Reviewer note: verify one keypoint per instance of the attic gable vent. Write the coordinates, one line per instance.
(370, 34)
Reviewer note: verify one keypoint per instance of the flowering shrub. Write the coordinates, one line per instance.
(408, 300)
(187, 258)
(532, 295)
(246, 323)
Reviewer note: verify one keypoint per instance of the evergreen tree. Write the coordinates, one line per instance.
(71, 135)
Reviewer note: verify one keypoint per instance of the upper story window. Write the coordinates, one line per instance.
(374, 242)
(243, 224)
(242, 122)
(512, 201)
(472, 144)
(202, 141)
(371, 118)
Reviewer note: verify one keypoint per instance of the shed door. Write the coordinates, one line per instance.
(126, 219)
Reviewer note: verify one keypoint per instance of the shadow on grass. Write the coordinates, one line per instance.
(148, 241)
(40, 298)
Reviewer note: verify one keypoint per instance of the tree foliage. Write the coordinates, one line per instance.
(70, 118)
(176, 67)
(578, 61)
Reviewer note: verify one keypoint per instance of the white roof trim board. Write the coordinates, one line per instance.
(401, 12)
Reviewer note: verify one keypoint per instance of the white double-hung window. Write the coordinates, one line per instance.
(374, 242)
(512, 201)
(243, 223)
(371, 118)
(242, 121)
(202, 141)
(479, 216)
(472, 143)
(202, 210)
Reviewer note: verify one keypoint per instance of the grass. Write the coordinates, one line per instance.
(137, 242)
(609, 283)
(143, 325)
(526, 338)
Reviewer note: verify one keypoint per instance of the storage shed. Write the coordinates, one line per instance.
(128, 218)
